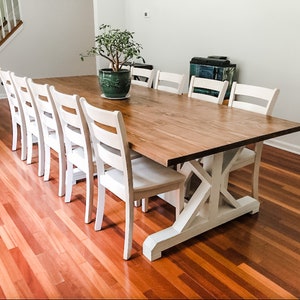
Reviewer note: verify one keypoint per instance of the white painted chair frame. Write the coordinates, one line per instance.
(169, 82)
(52, 131)
(268, 98)
(210, 84)
(128, 179)
(16, 111)
(34, 131)
(77, 144)
(142, 74)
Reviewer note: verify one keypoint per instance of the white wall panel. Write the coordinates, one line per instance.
(261, 36)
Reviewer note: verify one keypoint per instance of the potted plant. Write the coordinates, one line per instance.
(119, 48)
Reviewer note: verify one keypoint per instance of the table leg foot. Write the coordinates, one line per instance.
(159, 241)
(255, 210)
(155, 243)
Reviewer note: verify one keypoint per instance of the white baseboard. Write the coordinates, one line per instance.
(283, 146)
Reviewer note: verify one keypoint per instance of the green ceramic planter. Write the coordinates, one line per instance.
(115, 85)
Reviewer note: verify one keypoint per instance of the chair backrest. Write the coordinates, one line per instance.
(27, 101)
(13, 98)
(253, 98)
(110, 144)
(141, 76)
(52, 130)
(75, 129)
(210, 90)
(169, 82)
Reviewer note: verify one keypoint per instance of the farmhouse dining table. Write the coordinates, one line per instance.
(177, 130)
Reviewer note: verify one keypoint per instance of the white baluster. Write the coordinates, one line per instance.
(9, 17)
(13, 13)
(2, 24)
(6, 15)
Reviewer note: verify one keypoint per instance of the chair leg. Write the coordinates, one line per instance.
(62, 173)
(137, 203)
(256, 167)
(128, 229)
(100, 206)
(145, 202)
(14, 136)
(89, 196)
(41, 149)
(23, 143)
(47, 163)
(29, 148)
(69, 182)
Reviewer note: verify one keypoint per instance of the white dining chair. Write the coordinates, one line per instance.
(16, 112)
(209, 90)
(78, 146)
(260, 100)
(52, 131)
(34, 131)
(253, 98)
(141, 76)
(128, 179)
(206, 89)
(169, 82)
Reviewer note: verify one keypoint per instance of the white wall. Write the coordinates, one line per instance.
(109, 12)
(261, 36)
(55, 32)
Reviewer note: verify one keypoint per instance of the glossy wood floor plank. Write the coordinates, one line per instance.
(47, 251)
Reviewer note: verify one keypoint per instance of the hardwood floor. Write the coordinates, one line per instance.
(47, 251)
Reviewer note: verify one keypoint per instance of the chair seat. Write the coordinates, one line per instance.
(147, 176)
(77, 157)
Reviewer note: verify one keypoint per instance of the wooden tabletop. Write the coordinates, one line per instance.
(171, 128)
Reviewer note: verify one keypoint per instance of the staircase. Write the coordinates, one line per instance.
(10, 20)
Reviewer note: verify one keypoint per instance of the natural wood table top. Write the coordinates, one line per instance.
(171, 128)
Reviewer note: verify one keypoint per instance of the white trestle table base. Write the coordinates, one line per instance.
(210, 206)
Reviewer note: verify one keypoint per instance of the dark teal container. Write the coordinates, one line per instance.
(115, 85)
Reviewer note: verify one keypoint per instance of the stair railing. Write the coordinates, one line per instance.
(10, 19)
